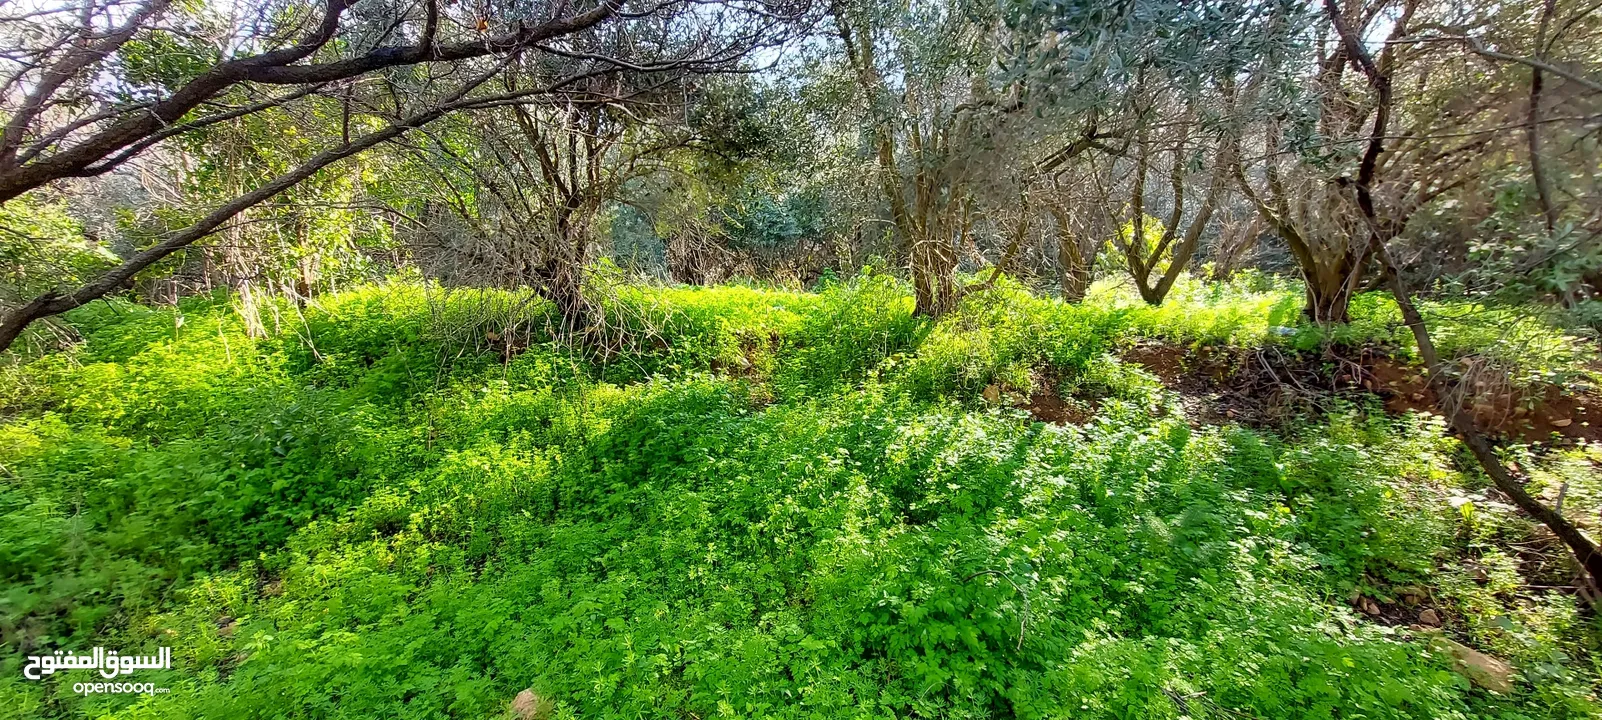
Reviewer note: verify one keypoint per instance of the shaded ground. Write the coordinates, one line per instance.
(1270, 388)
(1411, 605)
(1046, 404)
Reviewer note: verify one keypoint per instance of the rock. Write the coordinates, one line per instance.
(1481, 669)
(992, 393)
(1565, 422)
(1369, 606)
(1429, 617)
(529, 706)
(1417, 396)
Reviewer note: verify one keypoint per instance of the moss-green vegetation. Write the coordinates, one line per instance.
(759, 504)
(1531, 343)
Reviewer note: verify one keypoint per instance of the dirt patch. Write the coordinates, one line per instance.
(1407, 606)
(1044, 400)
(1258, 388)
(1046, 405)
(1167, 362)
(1269, 387)
(1530, 416)
(1575, 415)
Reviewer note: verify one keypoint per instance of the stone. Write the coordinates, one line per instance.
(1483, 670)
(529, 706)
(1429, 617)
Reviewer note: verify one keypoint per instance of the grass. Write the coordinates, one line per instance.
(764, 504)
(1532, 345)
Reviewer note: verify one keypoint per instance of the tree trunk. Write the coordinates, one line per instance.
(1543, 189)
(1327, 306)
(1330, 287)
(1073, 267)
(561, 284)
(1235, 248)
(934, 266)
(560, 276)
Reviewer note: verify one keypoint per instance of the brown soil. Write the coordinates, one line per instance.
(1045, 401)
(1504, 411)
(1409, 606)
(1048, 406)
(1167, 362)
(1267, 387)
(1260, 388)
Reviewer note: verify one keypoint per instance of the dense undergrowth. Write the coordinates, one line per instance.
(755, 503)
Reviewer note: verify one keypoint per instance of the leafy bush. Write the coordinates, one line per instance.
(1243, 312)
(1531, 343)
(1003, 336)
(854, 326)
